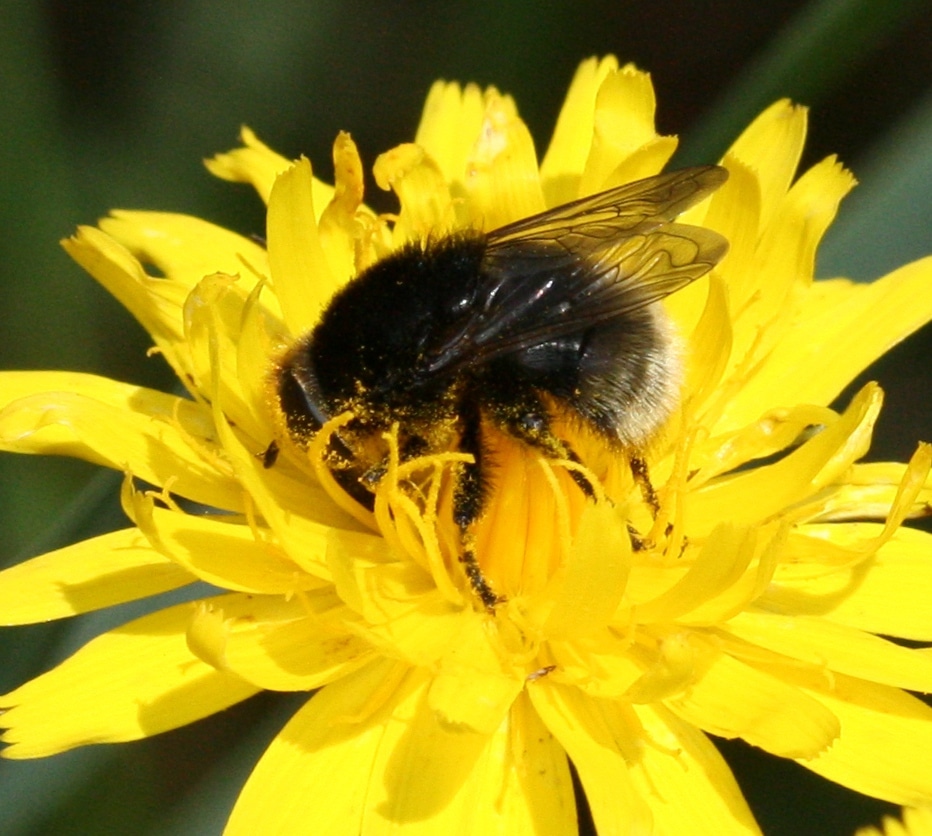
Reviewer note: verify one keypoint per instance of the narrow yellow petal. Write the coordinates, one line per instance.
(306, 524)
(155, 302)
(338, 227)
(836, 648)
(160, 438)
(221, 551)
(183, 249)
(595, 576)
(888, 595)
(601, 738)
(563, 164)
(213, 317)
(278, 644)
(873, 490)
(734, 211)
(885, 748)
(755, 495)
(686, 781)
(450, 123)
(254, 162)
(132, 682)
(772, 713)
(96, 573)
(723, 558)
(503, 183)
(300, 273)
(771, 146)
(623, 123)
(845, 328)
(710, 345)
(916, 821)
(426, 204)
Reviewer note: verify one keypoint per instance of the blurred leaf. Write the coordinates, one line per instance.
(825, 42)
(887, 220)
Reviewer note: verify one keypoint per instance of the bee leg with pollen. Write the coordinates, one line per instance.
(524, 416)
(641, 476)
(469, 499)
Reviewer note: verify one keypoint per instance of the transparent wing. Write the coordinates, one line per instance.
(583, 263)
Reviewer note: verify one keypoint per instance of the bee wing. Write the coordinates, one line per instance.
(583, 263)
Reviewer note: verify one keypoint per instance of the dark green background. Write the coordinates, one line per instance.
(115, 105)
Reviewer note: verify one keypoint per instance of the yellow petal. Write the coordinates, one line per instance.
(623, 123)
(734, 211)
(474, 686)
(449, 126)
(771, 146)
(132, 682)
(426, 204)
(183, 249)
(224, 552)
(601, 666)
(155, 302)
(771, 713)
(687, 782)
(872, 490)
(783, 268)
(888, 595)
(306, 523)
(917, 821)
(594, 579)
(160, 438)
(602, 738)
(394, 766)
(331, 742)
(845, 326)
(300, 272)
(278, 644)
(774, 431)
(643, 770)
(836, 648)
(96, 573)
(403, 613)
(885, 748)
(759, 493)
(430, 778)
(338, 227)
(503, 183)
(710, 345)
(563, 164)
(720, 582)
(254, 163)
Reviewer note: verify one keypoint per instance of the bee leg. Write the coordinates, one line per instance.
(642, 478)
(526, 419)
(469, 499)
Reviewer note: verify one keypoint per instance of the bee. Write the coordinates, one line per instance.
(555, 313)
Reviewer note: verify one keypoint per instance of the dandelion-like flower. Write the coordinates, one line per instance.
(759, 600)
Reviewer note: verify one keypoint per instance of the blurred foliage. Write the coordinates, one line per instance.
(115, 105)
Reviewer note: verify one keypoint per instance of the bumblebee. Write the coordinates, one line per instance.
(555, 313)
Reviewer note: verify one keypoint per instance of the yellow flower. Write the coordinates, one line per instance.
(761, 608)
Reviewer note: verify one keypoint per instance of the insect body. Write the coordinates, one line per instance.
(552, 312)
